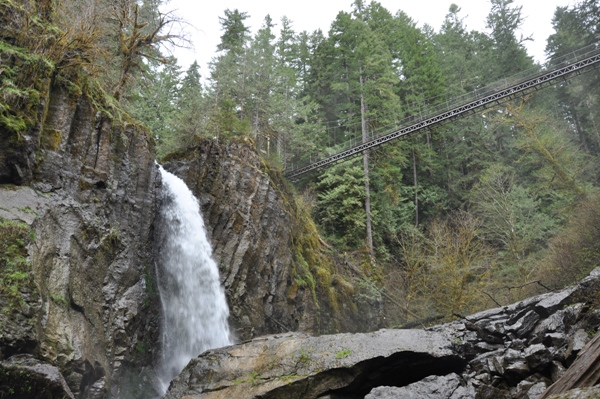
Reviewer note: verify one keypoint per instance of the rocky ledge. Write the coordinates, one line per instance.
(516, 351)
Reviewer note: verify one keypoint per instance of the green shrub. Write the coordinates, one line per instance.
(575, 251)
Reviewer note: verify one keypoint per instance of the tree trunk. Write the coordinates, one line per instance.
(365, 137)
(583, 373)
(416, 185)
(580, 131)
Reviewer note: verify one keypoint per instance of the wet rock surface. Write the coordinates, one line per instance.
(89, 195)
(253, 226)
(249, 230)
(25, 377)
(515, 351)
(295, 366)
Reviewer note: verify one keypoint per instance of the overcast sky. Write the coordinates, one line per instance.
(204, 31)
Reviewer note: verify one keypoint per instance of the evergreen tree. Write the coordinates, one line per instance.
(508, 55)
(360, 88)
(421, 86)
(154, 102)
(260, 84)
(229, 78)
(341, 209)
(235, 33)
(192, 107)
(460, 146)
(579, 97)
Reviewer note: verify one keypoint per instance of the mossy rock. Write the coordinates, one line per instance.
(23, 377)
(51, 139)
(15, 270)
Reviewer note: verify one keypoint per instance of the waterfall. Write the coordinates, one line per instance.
(194, 306)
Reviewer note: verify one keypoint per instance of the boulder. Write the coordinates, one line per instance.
(432, 387)
(24, 377)
(295, 366)
(537, 356)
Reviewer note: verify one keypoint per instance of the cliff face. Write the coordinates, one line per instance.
(87, 188)
(249, 229)
(272, 265)
(81, 310)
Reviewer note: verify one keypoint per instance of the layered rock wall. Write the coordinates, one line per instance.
(273, 267)
(250, 230)
(88, 188)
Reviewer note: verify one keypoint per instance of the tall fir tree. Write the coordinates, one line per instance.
(192, 106)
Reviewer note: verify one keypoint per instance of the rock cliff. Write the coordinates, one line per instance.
(276, 273)
(516, 351)
(85, 187)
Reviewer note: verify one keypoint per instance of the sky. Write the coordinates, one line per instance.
(204, 31)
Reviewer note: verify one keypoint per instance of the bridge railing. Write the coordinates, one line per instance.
(440, 107)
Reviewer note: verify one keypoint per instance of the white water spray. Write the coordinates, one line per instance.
(194, 306)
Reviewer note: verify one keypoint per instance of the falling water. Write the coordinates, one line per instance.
(194, 306)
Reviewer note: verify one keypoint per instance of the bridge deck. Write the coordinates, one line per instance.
(479, 101)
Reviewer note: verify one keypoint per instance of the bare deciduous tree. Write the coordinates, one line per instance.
(138, 40)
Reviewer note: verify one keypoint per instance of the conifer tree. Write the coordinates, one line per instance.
(509, 55)
(361, 81)
(576, 28)
(229, 77)
(153, 101)
(192, 117)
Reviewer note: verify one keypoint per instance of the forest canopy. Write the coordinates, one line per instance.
(469, 214)
(455, 218)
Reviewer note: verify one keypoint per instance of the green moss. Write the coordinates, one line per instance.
(28, 210)
(51, 139)
(58, 299)
(323, 277)
(343, 354)
(253, 379)
(22, 83)
(109, 247)
(341, 282)
(15, 270)
(142, 347)
(289, 378)
(303, 359)
(151, 285)
(303, 276)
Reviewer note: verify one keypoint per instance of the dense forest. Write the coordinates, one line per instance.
(471, 214)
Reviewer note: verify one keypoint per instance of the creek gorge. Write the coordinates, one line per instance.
(116, 244)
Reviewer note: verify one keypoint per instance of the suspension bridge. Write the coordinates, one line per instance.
(499, 92)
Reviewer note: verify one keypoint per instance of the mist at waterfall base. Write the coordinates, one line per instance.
(193, 302)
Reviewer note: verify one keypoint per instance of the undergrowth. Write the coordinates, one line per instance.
(36, 54)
